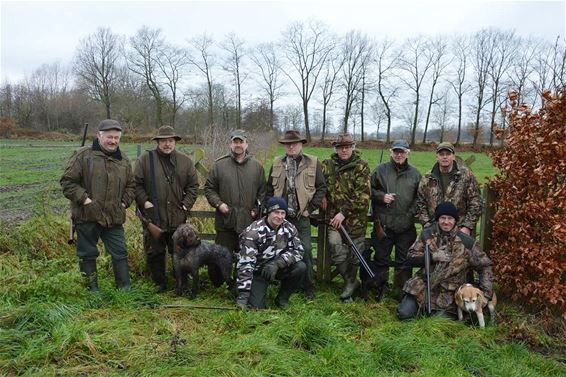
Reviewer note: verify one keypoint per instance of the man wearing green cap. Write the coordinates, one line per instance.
(99, 183)
(235, 187)
(166, 188)
(449, 181)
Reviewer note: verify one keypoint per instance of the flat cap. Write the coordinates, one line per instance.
(445, 146)
(109, 124)
(400, 144)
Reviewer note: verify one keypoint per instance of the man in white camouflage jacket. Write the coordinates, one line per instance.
(269, 249)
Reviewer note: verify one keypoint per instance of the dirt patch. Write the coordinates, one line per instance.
(15, 188)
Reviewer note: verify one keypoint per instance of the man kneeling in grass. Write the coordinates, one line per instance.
(269, 249)
(452, 253)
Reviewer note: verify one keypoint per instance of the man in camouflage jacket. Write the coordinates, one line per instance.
(269, 249)
(452, 254)
(99, 183)
(452, 182)
(174, 179)
(346, 203)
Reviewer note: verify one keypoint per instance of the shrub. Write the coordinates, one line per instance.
(529, 226)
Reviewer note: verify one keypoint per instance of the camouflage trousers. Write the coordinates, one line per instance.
(340, 252)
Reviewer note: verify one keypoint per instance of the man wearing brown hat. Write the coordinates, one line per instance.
(449, 181)
(99, 183)
(346, 203)
(166, 188)
(298, 178)
(235, 186)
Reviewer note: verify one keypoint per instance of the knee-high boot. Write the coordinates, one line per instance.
(88, 267)
(121, 275)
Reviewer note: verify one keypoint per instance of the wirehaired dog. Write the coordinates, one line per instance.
(471, 300)
(190, 253)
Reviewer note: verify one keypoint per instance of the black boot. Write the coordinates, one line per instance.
(156, 266)
(88, 267)
(121, 275)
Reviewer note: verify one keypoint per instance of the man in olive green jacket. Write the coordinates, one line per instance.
(99, 183)
(235, 187)
(165, 194)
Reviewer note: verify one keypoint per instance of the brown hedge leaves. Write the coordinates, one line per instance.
(529, 226)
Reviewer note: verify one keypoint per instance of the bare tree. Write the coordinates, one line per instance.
(558, 65)
(483, 51)
(416, 60)
(235, 47)
(173, 63)
(356, 50)
(505, 47)
(386, 62)
(204, 63)
(268, 63)
(440, 60)
(96, 65)
(332, 67)
(442, 114)
(459, 83)
(143, 60)
(306, 48)
(47, 86)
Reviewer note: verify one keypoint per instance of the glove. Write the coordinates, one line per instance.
(269, 271)
(242, 301)
(441, 256)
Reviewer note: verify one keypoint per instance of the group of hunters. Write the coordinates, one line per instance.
(275, 244)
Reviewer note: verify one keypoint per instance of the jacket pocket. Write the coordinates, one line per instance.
(276, 181)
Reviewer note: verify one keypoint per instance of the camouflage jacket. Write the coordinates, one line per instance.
(403, 180)
(260, 244)
(106, 179)
(348, 191)
(463, 191)
(447, 277)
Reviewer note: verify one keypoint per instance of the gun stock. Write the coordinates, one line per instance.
(378, 229)
(154, 231)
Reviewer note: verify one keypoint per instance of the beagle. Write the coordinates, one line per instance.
(471, 299)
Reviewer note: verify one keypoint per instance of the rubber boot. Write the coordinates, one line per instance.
(157, 269)
(121, 275)
(351, 282)
(88, 267)
(399, 280)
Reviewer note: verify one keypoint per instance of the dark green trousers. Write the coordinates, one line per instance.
(113, 238)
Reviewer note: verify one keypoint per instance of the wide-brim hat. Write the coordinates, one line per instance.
(343, 140)
(166, 132)
(292, 136)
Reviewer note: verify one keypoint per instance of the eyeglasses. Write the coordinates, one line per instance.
(399, 151)
(344, 147)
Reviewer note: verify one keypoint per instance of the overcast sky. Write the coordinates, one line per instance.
(38, 32)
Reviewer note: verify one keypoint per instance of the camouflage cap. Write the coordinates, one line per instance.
(343, 140)
(445, 146)
(166, 132)
(109, 124)
(238, 134)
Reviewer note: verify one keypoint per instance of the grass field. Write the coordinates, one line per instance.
(49, 325)
(30, 171)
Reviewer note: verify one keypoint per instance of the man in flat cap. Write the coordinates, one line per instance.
(449, 181)
(235, 187)
(346, 203)
(99, 183)
(394, 203)
(166, 185)
(298, 178)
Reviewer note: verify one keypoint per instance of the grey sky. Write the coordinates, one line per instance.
(34, 33)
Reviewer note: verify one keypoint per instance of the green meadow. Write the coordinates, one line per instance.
(50, 325)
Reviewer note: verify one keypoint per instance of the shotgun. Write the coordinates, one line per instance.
(377, 227)
(154, 231)
(427, 275)
(354, 248)
(71, 239)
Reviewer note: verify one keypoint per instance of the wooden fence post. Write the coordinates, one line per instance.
(485, 224)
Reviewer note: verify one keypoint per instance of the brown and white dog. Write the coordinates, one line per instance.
(471, 299)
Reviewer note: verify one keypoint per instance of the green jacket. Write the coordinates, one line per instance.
(106, 179)
(176, 183)
(398, 215)
(348, 191)
(238, 184)
(463, 191)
